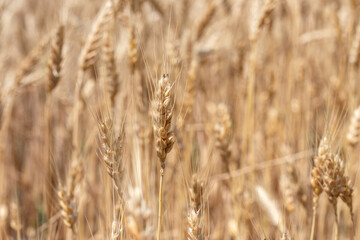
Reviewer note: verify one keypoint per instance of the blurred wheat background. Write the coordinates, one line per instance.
(164, 119)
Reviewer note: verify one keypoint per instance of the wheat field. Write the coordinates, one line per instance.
(165, 119)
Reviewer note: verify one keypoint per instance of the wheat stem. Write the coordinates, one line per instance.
(313, 225)
(336, 223)
(162, 170)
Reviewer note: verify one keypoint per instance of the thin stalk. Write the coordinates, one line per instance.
(160, 202)
(18, 234)
(336, 223)
(122, 222)
(313, 223)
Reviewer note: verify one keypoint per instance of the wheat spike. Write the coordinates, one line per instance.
(68, 209)
(133, 52)
(194, 228)
(91, 48)
(222, 131)
(328, 176)
(112, 76)
(67, 198)
(164, 137)
(111, 152)
(162, 114)
(190, 87)
(54, 65)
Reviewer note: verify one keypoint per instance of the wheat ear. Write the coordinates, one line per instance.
(54, 68)
(222, 131)
(66, 196)
(54, 65)
(133, 52)
(328, 176)
(194, 230)
(110, 153)
(112, 82)
(164, 137)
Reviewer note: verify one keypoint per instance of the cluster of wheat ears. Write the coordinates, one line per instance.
(166, 119)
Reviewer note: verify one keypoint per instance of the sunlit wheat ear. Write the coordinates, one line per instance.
(68, 209)
(164, 137)
(54, 65)
(353, 134)
(66, 196)
(162, 115)
(316, 178)
(194, 227)
(328, 176)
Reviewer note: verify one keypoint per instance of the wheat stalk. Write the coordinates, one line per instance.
(164, 137)
(87, 59)
(111, 154)
(54, 68)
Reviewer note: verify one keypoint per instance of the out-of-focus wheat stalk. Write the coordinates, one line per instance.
(87, 59)
(54, 69)
(111, 154)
